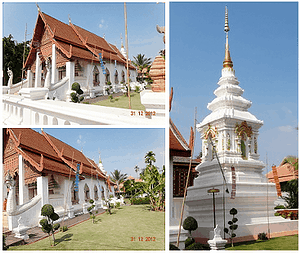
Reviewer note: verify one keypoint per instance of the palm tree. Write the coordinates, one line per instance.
(150, 158)
(136, 169)
(141, 61)
(118, 177)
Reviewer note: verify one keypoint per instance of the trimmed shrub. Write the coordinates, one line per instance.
(75, 96)
(196, 246)
(262, 237)
(140, 201)
(190, 224)
(47, 223)
(173, 247)
(188, 241)
(4, 247)
(64, 228)
(279, 207)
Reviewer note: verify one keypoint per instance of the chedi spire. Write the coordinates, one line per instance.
(227, 63)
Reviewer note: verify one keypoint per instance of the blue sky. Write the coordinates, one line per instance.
(120, 148)
(263, 46)
(99, 18)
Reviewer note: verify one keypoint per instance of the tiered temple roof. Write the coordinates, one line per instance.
(71, 40)
(46, 154)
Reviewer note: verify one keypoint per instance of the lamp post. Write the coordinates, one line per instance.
(213, 191)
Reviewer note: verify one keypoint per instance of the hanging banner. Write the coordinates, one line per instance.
(76, 188)
(276, 180)
(233, 191)
(102, 64)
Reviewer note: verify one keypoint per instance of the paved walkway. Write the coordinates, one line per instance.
(36, 233)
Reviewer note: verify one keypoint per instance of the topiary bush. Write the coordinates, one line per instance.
(90, 210)
(196, 246)
(47, 223)
(173, 247)
(188, 241)
(140, 201)
(4, 247)
(279, 207)
(75, 96)
(64, 228)
(232, 225)
(190, 224)
(262, 237)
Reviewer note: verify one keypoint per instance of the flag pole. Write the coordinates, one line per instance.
(187, 179)
(24, 55)
(126, 41)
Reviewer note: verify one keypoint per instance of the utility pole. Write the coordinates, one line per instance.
(24, 55)
(126, 41)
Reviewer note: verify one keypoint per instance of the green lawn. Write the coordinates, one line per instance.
(128, 228)
(279, 243)
(123, 102)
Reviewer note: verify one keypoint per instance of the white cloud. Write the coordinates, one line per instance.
(101, 25)
(80, 141)
(286, 129)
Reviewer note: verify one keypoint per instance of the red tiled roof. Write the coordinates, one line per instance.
(92, 39)
(285, 172)
(61, 30)
(178, 145)
(50, 154)
(73, 41)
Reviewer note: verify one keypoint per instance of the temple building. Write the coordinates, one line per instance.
(180, 155)
(39, 169)
(286, 171)
(61, 54)
(231, 166)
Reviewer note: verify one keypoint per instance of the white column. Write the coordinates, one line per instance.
(53, 65)
(70, 72)
(21, 180)
(29, 78)
(42, 189)
(38, 71)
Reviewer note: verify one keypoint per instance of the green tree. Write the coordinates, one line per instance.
(291, 187)
(150, 158)
(47, 223)
(153, 184)
(118, 177)
(142, 62)
(137, 169)
(129, 187)
(13, 58)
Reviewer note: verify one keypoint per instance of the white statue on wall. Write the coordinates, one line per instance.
(48, 74)
(10, 76)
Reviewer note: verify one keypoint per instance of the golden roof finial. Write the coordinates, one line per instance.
(227, 63)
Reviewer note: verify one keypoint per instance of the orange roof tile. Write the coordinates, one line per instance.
(178, 145)
(51, 154)
(83, 42)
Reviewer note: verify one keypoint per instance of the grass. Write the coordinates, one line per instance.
(123, 102)
(279, 243)
(123, 230)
